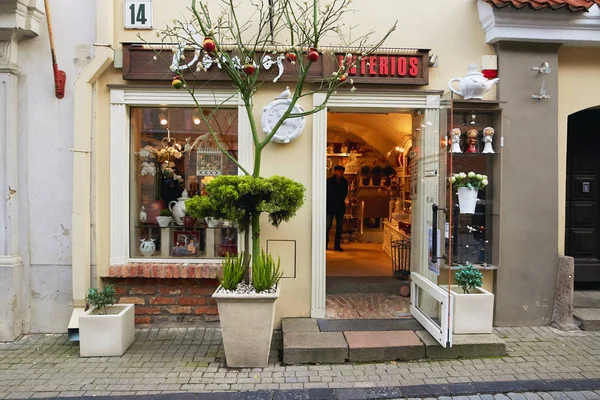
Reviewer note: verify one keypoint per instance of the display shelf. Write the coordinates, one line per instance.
(486, 267)
(342, 155)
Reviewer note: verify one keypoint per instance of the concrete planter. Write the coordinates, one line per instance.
(247, 327)
(473, 312)
(106, 335)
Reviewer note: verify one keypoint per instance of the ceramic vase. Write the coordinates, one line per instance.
(147, 247)
(467, 200)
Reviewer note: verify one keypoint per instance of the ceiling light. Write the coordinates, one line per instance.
(163, 119)
(196, 118)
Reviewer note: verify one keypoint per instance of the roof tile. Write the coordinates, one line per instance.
(571, 5)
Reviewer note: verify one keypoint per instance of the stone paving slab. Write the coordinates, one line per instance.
(192, 360)
(289, 325)
(384, 346)
(314, 347)
(463, 346)
(588, 317)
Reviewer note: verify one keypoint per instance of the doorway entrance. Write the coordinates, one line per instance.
(368, 257)
(582, 224)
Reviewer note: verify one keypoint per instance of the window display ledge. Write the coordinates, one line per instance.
(165, 271)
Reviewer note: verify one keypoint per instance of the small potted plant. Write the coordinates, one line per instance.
(106, 329)
(364, 173)
(376, 173)
(165, 218)
(468, 185)
(473, 305)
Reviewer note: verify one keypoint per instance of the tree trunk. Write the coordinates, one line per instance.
(247, 252)
(255, 238)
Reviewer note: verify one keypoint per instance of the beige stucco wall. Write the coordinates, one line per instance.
(578, 88)
(457, 38)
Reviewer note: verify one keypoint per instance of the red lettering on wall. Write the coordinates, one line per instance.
(393, 66)
(372, 62)
(383, 66)
(401, 66)
(352, 70)
(414, 66)
(363, 62)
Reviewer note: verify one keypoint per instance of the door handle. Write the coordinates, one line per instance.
(434, 228)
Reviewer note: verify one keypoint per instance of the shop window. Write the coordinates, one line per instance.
(173, 156)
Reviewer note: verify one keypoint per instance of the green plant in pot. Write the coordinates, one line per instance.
(247, 314)
(105, 328)
(468, 278)
(165, 218)
(473, 306)
(376, 172)
(365, 171)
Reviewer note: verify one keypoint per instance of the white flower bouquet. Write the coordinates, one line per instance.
(469, 180)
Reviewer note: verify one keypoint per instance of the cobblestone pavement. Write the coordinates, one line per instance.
(191, 360)
(366, 306)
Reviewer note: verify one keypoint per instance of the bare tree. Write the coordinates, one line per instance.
(246, 47)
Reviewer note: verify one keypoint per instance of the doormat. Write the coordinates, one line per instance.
(366, 325)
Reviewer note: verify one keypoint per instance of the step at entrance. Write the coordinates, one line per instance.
(364, 284)
(312, 341)
(588, 319)
(372, 325)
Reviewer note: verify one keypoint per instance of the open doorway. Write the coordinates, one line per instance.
(369, 240)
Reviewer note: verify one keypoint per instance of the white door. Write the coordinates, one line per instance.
(430, 304)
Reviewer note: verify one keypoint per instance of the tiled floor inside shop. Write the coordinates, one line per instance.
(367, 306)
(359, 259)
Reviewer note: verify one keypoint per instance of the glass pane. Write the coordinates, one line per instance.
(173, 156)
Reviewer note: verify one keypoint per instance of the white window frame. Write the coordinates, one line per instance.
(121, 101)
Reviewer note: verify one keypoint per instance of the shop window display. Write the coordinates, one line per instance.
(173, 156)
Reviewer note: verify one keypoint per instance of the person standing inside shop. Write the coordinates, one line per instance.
(337, 190)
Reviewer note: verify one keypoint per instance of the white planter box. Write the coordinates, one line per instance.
(247, 327)
(106, 335)
(473, 312)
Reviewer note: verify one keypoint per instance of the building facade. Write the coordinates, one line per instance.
(118, 103)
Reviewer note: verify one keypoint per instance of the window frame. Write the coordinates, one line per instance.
(121, 102)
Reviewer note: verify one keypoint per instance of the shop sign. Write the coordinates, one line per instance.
(157, 62)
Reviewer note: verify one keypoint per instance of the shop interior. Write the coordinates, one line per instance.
(376, 151)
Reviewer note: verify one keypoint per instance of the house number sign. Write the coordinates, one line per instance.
(138, 14)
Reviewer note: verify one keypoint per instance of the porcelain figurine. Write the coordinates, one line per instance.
(143, 215)
(472, 137)
(177, 208)
(345, 149)
(487, 140)
(147, 247)
(455, 133)
(473, 85)
(187, 147)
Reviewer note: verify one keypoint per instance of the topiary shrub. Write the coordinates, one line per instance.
(468, 278)
(242, 199)
(99, 299)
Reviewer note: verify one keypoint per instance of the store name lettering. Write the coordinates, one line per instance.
(391, 66)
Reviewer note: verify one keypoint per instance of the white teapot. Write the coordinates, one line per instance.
(177, 208)
(473, 85)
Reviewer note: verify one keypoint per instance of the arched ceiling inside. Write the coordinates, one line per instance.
(381, 131)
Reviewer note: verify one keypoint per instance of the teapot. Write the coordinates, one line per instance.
(473, 85)
(177, 208)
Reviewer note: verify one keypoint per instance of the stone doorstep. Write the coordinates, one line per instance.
(588, 317)
(384, 346)
(314, 347)
(464, 346)
(289, 325)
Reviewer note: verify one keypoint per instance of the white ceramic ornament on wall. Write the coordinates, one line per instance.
(291, 128)
(473, 85)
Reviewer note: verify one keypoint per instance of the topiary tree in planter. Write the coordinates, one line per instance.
(468, 278)
(292, 28)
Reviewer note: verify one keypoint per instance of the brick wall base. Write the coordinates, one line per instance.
(169, 302)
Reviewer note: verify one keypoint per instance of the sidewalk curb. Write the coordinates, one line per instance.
(452, 389)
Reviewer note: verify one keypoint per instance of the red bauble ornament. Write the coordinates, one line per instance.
(209, 45)
(177, 83)
(291, 57)
(343, 78)
(249, 68)
(312, 55)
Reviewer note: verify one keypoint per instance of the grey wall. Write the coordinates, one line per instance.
(526, 280)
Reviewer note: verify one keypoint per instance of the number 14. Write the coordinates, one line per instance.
(140, 16)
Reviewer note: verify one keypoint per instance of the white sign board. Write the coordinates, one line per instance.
(138, 14)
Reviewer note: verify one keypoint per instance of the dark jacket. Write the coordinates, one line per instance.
(337, 190)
